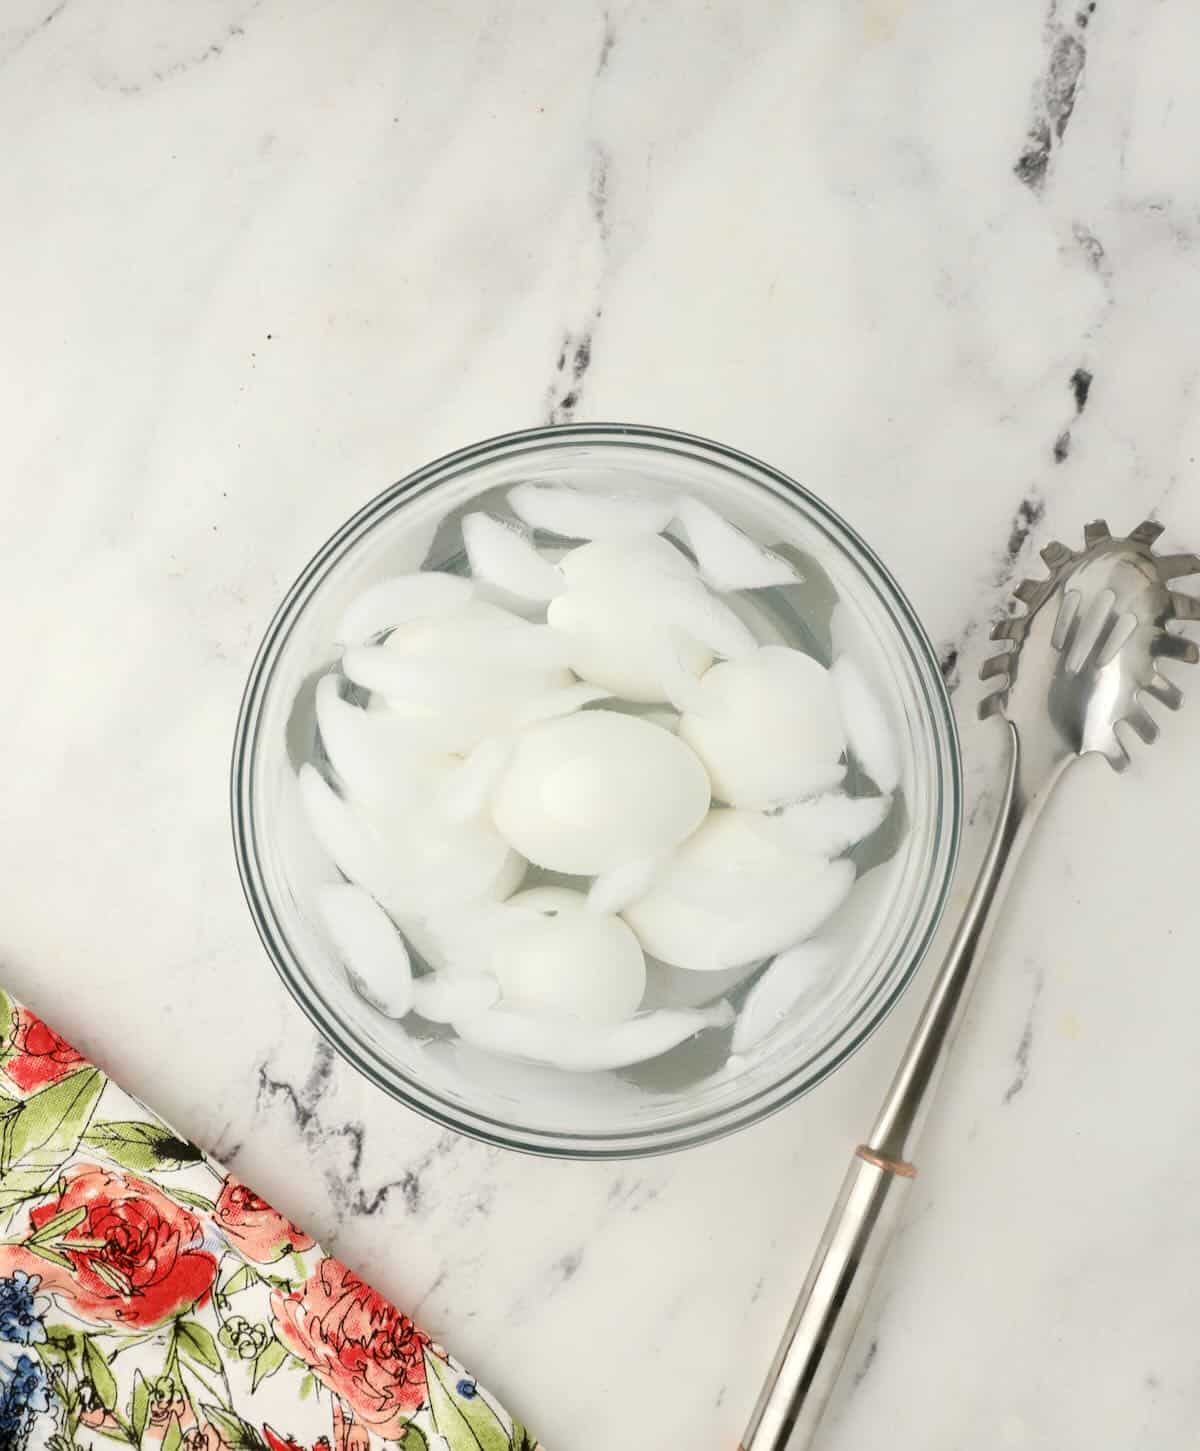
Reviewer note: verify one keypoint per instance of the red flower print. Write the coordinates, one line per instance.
(252, 1226)
(357, 1344)
(204, 1438)
(140, 1258)
(285, 1443)
(39, 1055)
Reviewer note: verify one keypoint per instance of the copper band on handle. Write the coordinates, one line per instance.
(900, 1167)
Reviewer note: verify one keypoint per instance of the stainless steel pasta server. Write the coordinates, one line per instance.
(1081, 661)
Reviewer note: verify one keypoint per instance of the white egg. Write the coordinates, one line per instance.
(589, 792)
(576, 514)
(372, 951)
(588, 1047)
(503, 555)
(554, 958)
(766, 727)
(398, 600)
(729, 559)
(731, 897)
(866, 722)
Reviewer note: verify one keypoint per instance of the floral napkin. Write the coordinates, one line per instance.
(148, 1299)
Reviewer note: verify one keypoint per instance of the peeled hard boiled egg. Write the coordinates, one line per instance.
(554, 958)
(767, 727)
(589, 792)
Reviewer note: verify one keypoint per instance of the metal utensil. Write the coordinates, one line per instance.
(1080, 661)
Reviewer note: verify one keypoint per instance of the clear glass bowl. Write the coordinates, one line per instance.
(693, 1094)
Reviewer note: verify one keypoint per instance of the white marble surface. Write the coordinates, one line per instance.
(940, 261)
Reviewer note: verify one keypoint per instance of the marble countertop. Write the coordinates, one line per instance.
(939, 261)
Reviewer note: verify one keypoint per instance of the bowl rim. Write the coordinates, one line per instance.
(591, 1145)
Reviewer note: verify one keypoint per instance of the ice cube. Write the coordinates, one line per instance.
(355, 849)
(504, 556)
(588, 1047)
(395, 601)
(866, 724)
(561, 701)
(792, 976)
(730, 898)
(442, 999)
(372, 951)
(729, 559)
(620, 887)
(468, 791)
(441, 862)
(828, 825)
(375, 755)
(624, 645)
(464, 677)
(575, 514)
(623, 563)
(679, 987)
(694, 611)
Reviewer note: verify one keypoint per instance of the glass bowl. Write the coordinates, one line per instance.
(695, 1093)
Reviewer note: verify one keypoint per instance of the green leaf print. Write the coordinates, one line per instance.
(185, 1196)
(99, 1374)
(173, 1440)
(7, 1025)
(233, 1284)
(413, 1439)
(239, 1435)
(195, 1343)
(267, 1362)
(51, 1256)
(521, 1439)
(467, 1422)
(140, 1147)
(59, 1226)
(40, 1135)
(139, 1405)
